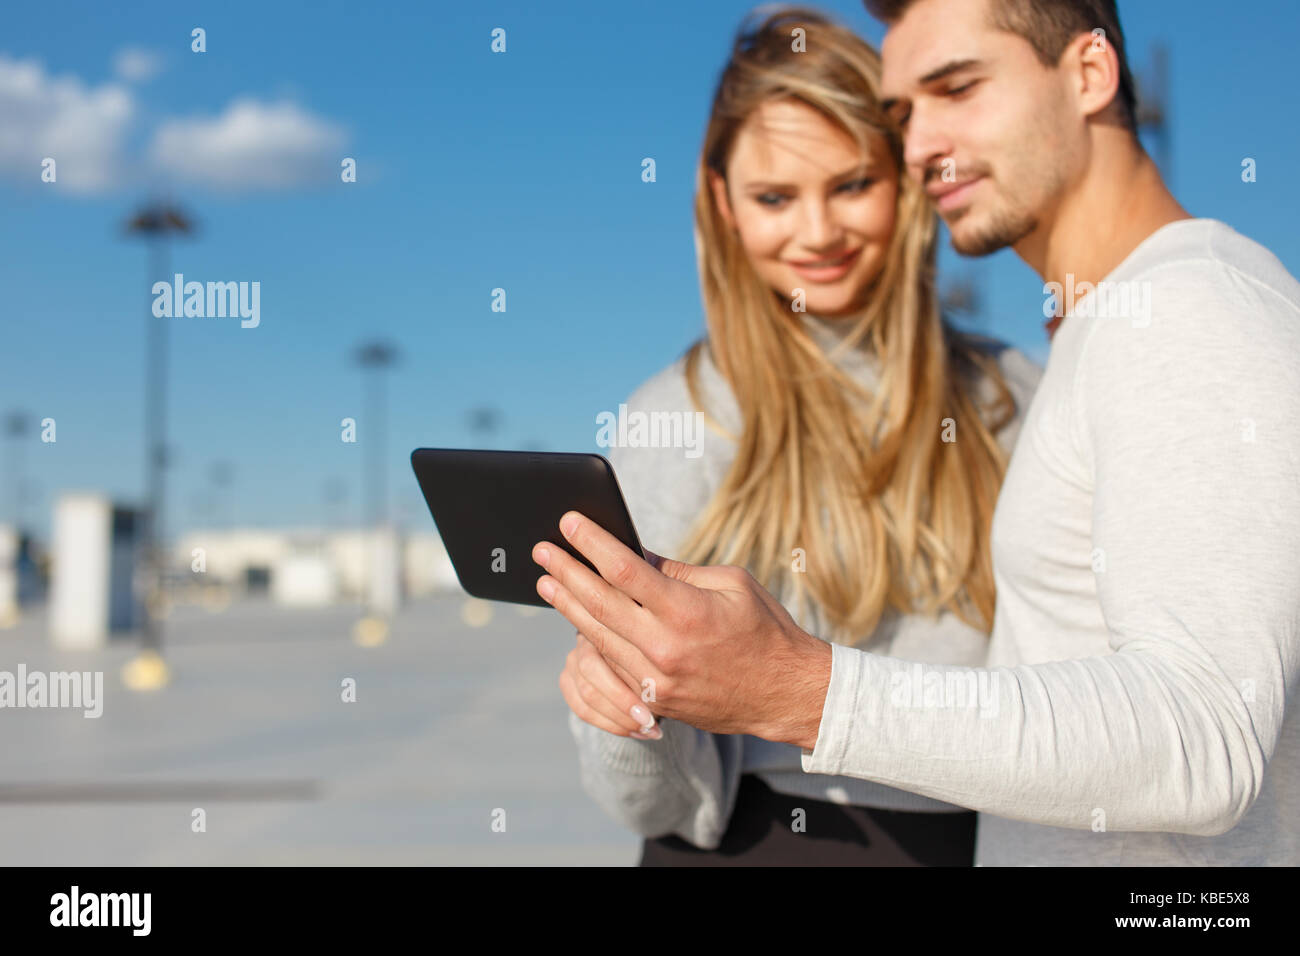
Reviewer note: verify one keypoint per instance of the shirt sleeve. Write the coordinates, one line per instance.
(1189, 427)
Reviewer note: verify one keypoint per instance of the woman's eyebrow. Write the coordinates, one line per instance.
(856, 170)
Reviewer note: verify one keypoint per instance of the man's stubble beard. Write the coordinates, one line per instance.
(1006, 228)
(1010, 223)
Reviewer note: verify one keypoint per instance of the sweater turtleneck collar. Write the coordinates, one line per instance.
(830, 331)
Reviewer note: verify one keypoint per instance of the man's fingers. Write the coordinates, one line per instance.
(676, 570)
(601, 600)
(610, 644)
(626, 570)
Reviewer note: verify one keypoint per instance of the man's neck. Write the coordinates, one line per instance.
(1120, 201)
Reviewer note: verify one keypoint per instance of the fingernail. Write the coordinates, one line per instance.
(568, 523)
(649, 729)
(543, 557)
(546, 587)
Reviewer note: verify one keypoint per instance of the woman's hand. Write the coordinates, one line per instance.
(601, 698)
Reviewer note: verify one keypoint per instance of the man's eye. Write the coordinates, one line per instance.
(962, 89)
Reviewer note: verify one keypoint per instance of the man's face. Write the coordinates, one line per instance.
(986, 126)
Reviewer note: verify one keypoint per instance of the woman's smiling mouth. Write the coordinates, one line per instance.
(827, 270)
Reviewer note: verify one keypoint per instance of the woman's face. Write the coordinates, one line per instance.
(811, 212)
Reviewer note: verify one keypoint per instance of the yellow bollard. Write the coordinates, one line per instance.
(476, 612)
(370, 631)
(147, 671)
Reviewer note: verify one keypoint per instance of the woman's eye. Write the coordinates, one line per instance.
(770, 199)
(857, 185)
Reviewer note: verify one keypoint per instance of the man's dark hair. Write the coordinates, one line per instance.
(1049, 26)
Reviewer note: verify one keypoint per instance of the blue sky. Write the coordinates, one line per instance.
(475, 171)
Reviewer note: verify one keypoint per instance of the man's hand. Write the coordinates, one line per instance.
(704, 645)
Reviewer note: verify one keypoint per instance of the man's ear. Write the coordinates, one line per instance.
(1093, 69)
(718, 185)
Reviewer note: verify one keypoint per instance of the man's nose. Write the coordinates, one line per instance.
(924, 145)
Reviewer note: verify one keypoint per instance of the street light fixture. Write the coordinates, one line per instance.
(156, 222)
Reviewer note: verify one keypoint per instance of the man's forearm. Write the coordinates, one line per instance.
(1152, 744)
(804, 682)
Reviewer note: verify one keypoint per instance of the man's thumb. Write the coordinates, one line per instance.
(678, 570)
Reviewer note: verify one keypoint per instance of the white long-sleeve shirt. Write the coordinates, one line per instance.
(1146, 548)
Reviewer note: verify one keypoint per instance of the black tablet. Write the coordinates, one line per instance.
(491, 507)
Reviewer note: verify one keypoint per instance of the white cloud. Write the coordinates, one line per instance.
(251, 145)
(85, 129)
(81, 128)
(136, 65)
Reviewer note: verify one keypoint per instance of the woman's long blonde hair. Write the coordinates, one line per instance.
(881, 511)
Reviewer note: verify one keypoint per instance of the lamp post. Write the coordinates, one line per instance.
(222, 476)
(15, 429)
(375, 358)
(334, 493)
(155, 222)
(1154, 106)
(11, 552)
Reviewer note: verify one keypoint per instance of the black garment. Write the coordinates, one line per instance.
(760, 834)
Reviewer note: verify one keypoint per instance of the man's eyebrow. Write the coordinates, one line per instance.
(763, 184)
(952, 66)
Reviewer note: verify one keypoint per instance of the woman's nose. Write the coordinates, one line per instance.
(819, 230)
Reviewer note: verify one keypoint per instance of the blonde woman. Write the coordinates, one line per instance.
(851, 457)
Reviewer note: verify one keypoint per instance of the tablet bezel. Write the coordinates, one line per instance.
(479, 504)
